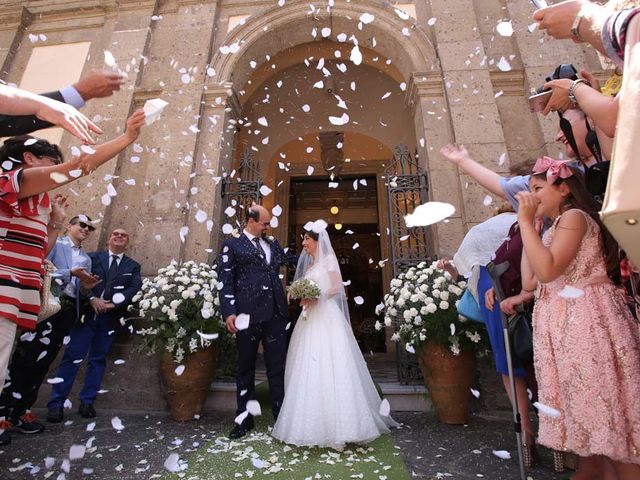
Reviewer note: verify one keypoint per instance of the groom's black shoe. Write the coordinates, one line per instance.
(241, 430)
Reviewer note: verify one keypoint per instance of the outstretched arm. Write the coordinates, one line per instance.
(37, 180)
(486, 177)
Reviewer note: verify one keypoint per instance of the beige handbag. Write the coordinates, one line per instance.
(49, 303)
(621, 207)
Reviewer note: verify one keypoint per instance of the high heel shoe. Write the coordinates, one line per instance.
(558, 461)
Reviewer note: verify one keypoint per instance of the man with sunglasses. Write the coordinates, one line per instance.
(93, 337)
(36, 350)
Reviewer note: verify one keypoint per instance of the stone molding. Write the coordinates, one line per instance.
(227, 92)
(510, 83)
(424, 85)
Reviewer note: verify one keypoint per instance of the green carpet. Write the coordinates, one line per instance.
(258, 455)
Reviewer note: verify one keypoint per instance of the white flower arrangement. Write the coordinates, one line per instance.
(421, 306)
(182, 302)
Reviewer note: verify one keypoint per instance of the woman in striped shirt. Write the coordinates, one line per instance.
(31, 168)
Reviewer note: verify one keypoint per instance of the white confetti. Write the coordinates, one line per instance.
(310, 170)
(428, 214)
(57, 177)
(367, 18)
(402, 14)
(547, 410)
(452, 327)
(358, 300)
(385, 408)
(118, 362)
(342, 120)
(488, 200)
(242, 321)
(201, 216)
(106, 199)
(208, 336)
(264, 190)
(87, 149)
(277, 210)
(409, 348)
(356, 55)
(257, 463)
(503, 65)
(109, 60)
(503, 454)
(76, 452)
(171, 463)
(179, 370)
(240, 418)
(431, 22)
(253, 407)
(53, 381)
(263, 121)
(116, 423)
(475, 393)
(306, 108)
(569, 292)
(505, 29)
(118, 298)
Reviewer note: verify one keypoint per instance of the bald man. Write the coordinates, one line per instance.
(249, 271)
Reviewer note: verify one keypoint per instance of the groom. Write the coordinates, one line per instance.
(249, 271)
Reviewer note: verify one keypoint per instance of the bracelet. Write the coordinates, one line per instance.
(575, 28)
(572, 90)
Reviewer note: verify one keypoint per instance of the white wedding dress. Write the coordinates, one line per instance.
(330, 399)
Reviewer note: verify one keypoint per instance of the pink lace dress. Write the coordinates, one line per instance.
(587, 359)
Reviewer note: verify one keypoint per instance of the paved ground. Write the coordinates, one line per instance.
(431, 450)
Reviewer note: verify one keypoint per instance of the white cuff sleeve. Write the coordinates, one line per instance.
(72, 97)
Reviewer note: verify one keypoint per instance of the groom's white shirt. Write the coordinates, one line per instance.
(265, 245)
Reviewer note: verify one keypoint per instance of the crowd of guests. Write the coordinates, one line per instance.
(94, 289)
(586, 342)
(559, 259)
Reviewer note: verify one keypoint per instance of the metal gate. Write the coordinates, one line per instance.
(407, 188)
(240, 189)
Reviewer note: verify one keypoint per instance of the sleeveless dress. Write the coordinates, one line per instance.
(587, 359)
(330, 399)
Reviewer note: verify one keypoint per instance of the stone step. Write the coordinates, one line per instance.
(402, 398)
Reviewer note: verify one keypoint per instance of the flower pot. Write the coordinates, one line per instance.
(186, 393)
(448, 378)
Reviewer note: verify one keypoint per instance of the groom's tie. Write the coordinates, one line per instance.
(261, 251)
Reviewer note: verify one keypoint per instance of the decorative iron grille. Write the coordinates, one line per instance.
(407, 188)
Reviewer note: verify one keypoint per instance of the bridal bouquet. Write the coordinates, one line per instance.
(304, 289)
(183, 306)
(422, 308)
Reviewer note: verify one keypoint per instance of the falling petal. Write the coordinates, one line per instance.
(179, 370)
(385, 408)
(171, 463)
(547, 410)
(116, 423)
(428, 214)
(342, 120)
(569, 292)
(242, 321)
(366, 18)
(488, 200)
(503, 454)
(358, 300)
(356, 55)
(253, 407)
(505, 29)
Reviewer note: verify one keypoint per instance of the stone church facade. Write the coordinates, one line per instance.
(263, 78)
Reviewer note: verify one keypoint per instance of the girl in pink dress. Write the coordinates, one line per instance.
(586, 342)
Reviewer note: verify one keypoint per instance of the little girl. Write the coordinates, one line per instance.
(586, 342)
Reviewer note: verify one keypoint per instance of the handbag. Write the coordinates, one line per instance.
(521, 336)
(49, 303)
(621, 207)
(468, 307)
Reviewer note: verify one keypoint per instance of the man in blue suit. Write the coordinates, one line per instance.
(250, 275)
(36, 351)
(109, 300)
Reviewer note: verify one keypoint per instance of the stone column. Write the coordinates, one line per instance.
(213, 158)
(471, 107)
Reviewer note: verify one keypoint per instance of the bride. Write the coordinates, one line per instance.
(330, 399)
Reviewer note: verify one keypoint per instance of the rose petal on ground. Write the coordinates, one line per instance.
(240, 418)
(505, 29)
(76, 452)
(171, 463)
(503, 454)
(116, 423)
(253, 407)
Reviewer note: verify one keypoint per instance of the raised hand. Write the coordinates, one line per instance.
(99, 84)
(527, 207)
(557, 19)
(455, 153)
(134, 124)
(67, 117)
(58, 209)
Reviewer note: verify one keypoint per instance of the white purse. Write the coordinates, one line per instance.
(49, 303)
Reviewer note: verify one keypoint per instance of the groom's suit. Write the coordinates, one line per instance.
(249, 272)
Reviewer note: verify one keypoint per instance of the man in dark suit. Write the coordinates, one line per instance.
(249, 272)
(109, 300)
(96, 84)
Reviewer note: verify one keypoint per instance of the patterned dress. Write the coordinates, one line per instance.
(23, 243)
(587, 359)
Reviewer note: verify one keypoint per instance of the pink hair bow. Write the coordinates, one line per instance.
(555, 169)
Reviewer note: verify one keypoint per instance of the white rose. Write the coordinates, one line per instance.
(395, 337)
(378, 326)
(435, 293)
(407, 315)
(417, 320)
(387, 321)
(216, 301)
(444, 295)
(185, 294)
(424, 310)
(414, 298)
(174, 304)
(424, 288)
(393, 312)
(431, 307)
(429, 300)
(400, 302)
(444, 305)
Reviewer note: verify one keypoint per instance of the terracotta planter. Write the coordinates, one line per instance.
(448, 378)
(187, 393)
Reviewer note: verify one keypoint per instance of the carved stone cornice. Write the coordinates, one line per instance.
(142, 95)
(424, 84)
(227, 93)
(511, 83)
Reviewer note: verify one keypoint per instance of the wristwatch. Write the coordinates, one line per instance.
(575, 28)
(572, 90)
